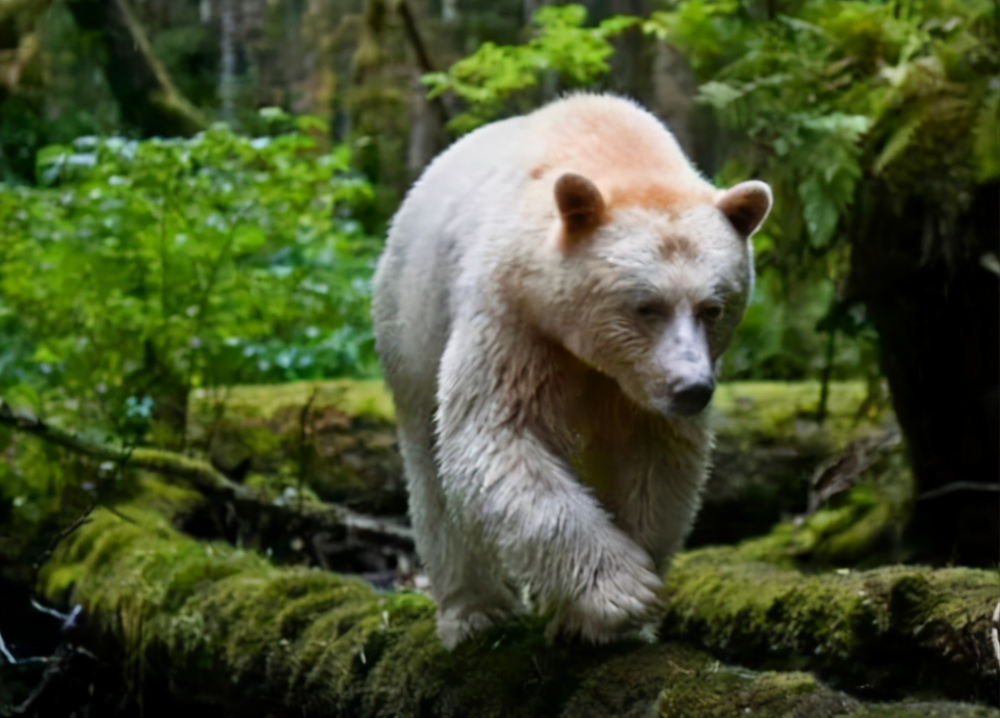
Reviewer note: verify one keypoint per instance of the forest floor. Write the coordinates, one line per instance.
(793, 596)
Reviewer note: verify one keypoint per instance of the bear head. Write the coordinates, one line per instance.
(648, 296)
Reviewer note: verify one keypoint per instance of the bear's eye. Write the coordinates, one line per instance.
(650, 310)
(711, 313)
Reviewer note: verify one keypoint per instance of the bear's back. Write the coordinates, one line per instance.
(626, 151)
(442, 217)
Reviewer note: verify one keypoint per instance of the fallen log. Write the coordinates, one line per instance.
(891, 630)
(340, 436)
(230, 630)
(250, 517)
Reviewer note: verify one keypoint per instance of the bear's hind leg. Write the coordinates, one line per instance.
(470, 593)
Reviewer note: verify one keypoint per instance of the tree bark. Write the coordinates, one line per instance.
(145, 94)
(928, 287)
(221, 627)
(227, 65)
(18, 40)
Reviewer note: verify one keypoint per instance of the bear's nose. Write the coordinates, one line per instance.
(692, 398)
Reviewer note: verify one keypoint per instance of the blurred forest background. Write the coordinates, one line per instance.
(193, 194)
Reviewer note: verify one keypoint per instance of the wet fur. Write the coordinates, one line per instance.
(536, 457)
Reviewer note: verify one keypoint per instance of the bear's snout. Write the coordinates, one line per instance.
(692, 398)
(683, 396)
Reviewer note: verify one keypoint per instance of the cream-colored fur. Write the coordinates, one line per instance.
(537, 338)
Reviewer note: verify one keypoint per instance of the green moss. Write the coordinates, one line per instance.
(775, 409)
(235, 631)
(343, 447)
(722, 692)
(164, 497)
(894, 627)
(368, 399)
(628, 682)
(415, 668)
(925, 710)
(769, 445)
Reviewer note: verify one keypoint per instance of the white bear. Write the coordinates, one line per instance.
(553, 299)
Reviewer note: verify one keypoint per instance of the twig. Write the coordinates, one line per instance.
(202, 475)
(959, 486)
(81, 520)
(84, 518)
(68, 619)
(120, 515)
(995, 632)
(303, 420)
(55, 665)
(9, 657)
(843, 470)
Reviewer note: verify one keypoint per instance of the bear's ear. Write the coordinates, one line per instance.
(746, 206)
(580, 205)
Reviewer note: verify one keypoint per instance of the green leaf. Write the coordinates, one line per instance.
(719, 94)
(819, 211)
(897, 144)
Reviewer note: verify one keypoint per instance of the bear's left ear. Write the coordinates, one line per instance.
(581, 207)
(746, 206)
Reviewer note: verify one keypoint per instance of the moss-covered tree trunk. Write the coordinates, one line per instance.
(934, 296)
(146, 96)
(18, 40)
(221, 627)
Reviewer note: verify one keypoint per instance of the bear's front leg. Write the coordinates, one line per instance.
(548, 531)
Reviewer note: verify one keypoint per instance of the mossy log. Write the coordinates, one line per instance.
(255, 516)
(891, 630)
(768, 446)
(340, 436)
(225, 628)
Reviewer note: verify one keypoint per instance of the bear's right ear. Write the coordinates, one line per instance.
(746, 206)
(581, 207)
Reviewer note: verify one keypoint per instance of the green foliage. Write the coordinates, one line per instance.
(705, 31)
(142, 270)
(819, 98)
(835, 91)
(489, 78)
(828, 96)
(776, 338)
(58, 98)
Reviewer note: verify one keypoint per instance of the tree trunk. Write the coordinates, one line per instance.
(216, 626)
(18, 40)
(146, 96)
(672, 92)
(425, 133)
(632, 62)
(932, 289)
(227, 65)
